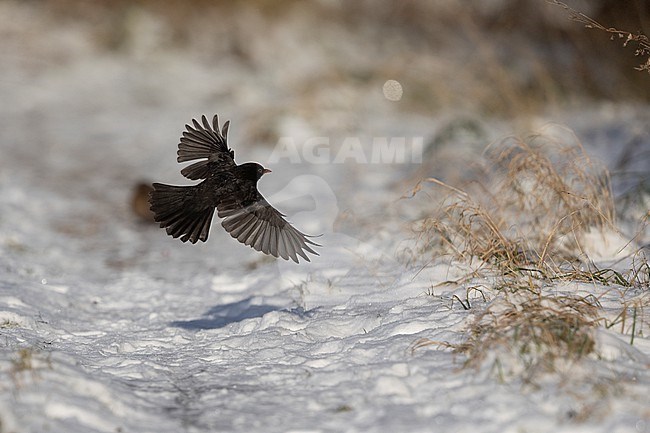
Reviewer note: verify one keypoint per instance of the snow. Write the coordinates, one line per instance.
(109, 325)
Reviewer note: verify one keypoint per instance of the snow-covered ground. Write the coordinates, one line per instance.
(109, 325)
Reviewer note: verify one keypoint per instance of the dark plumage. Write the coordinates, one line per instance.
(187, 211)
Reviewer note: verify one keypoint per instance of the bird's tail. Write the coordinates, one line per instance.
(180, 211)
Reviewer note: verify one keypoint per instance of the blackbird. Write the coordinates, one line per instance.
(187, 211)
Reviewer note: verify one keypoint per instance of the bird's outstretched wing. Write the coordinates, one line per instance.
(260, 226)
(207, 143)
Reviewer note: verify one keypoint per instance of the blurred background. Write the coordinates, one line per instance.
(501, 56)
(94, 94)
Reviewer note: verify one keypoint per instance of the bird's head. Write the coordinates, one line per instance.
(253, 171)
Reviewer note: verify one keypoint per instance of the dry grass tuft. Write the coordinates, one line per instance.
(537, 330)
(539, 196)
(525, 223)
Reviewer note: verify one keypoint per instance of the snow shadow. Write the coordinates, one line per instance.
(223, 315)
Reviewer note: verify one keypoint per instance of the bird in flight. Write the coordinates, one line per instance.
(231, 189)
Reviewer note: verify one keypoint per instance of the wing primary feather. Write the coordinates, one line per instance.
(283, 249)
(259, 238)
(208, 129)
(200, 131)
(224, 133)
(254, 236)
(294, 237)
(215, 123)
(285, 240)
(264, 239)
(288, 236)
(197, 136)
(274, 240)
(295, 244)
(245, 236)
(240, 225)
